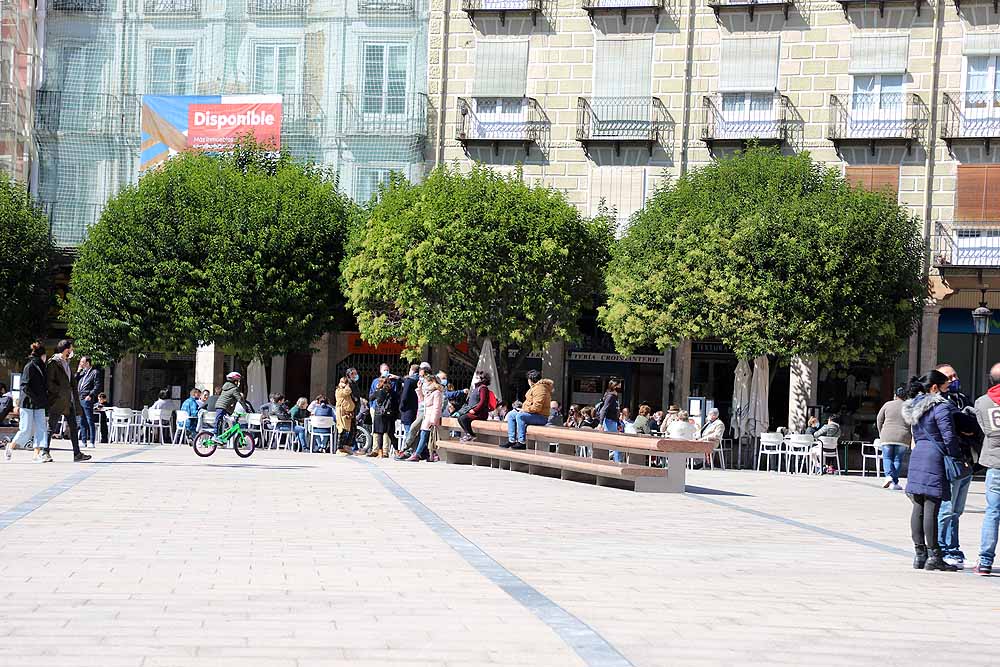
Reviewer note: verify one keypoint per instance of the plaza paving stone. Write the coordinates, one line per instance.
(154, 557)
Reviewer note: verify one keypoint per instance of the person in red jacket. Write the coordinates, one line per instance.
(479, 399)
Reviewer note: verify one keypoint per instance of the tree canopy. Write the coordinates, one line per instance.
(241, 249)
(465, 256)
(771, 254)
(26, 254)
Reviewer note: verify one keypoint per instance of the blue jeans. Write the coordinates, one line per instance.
(88, 431)
(421, 451)
(321, 442)
(34, 426)
(518, 423)
(948, 518)
(892, 460)
(611, 426)
(220, 421)
(988, 538)
(300, 435)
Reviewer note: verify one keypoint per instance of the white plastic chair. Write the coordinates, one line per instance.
(830, 451)
(255, 426)
(871, 450)
(206, 421)
(181, 436)
(281, 438)
(771, 444)
(721, 453)
(120, 427)
(158, 421)
(328, 423)
(798, 446)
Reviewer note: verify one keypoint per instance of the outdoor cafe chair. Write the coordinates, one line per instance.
(771, 444)
(327, 423)
(798, 446)
(181, 435)
(869, 451)
(830, 450)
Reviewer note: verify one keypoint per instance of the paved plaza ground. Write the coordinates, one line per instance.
(151, 556)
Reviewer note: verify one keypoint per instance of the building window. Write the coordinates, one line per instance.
(748, 106)
(977, 196)
(367, 181)
(502, 110)
(385, 75)
(876, 178)
(171, 70)
(877, 97)
(982, 82)
(276, 69)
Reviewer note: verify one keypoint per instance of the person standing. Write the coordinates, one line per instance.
(381, 409)
(932, 418)
(413, 434)
(988, 413)
(433, 404)
(88, 386)
(895, 437)
(534, 411)
(346, 410)
(608, 413)
(409, 402)
(63, 399)
(34, 401)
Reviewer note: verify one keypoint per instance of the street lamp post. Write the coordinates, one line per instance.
(981, 320)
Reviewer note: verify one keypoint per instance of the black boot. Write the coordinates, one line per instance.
(921, 558)
(935, 562)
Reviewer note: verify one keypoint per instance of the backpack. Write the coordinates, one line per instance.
(380, 409)
(492, 399)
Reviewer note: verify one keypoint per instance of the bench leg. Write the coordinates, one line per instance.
(672, 483)
(454, 457)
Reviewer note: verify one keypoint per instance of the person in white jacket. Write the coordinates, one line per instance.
(681, 428)
(714, 429)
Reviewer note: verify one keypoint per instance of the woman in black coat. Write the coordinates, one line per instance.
(383, 421)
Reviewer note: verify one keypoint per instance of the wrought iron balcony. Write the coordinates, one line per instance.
(77, 113)
(501, 7)
(749, 6)
(384, 115)
(83, 6)
(623, 6)
(958, 6)
(301, 114)
(966, 244)
(618, 120)
(742, 117)
(847, 5)
(172, 7)
(276, 7)
(972, 116)
(390, 7)
(524, 122)
(871, 118)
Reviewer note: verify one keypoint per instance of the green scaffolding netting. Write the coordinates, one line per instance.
(352, 76)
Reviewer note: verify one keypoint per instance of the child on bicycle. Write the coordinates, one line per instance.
(227, 400)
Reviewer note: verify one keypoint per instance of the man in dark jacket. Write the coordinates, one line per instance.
(227, 400)
(34, 401)
(971, 441)
(88, 386)
(988, 414)
(408, 402)
(63, 399)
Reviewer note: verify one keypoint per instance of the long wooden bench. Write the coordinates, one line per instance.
(567, 463)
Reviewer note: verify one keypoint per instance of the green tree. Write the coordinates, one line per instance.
(240, 249)
(26, 254)
(771, 254)
(461, 257)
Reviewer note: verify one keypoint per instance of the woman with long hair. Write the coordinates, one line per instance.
(932, 418)
(433, 399)
(479, 400)
(34, 401)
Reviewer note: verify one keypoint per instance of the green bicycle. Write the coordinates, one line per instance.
(243, 443)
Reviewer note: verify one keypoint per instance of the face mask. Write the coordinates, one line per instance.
(443, 381)
(385, 374)
(955, 386)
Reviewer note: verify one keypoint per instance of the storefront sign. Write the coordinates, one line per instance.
(709, 347)
(616, 358)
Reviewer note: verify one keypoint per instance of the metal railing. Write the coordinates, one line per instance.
(763, 116)
(590, 5)
(77, 113)
(276, 7)
(968, 244)
(301, 113)
(970, 115)
(620, 119)
(748, 5)
(876, 116)
(387, 6)
(172, 7)
(396, 116)
(502, 5)
(93, 6)
(527, 126)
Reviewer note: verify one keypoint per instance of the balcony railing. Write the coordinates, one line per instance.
(84, 6)
(971, 116)
(731, 117)
(301, 114)
(276, 7)
(847, 5)
(77, 113)
(526, 124)
(618, 120)
(391, 7)
(623, 6)
(501, 7)
(872, 117)
(966, 244)
(384, 115)
(749, 6)
(172, 7)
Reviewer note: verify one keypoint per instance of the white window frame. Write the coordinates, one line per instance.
(173, 47)
(981, 106)
(746, 111)
(879, 111)
(384, 97)
(382, 172)
(275, 46)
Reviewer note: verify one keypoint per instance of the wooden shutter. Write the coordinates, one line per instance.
(970, 198)
(877, 178)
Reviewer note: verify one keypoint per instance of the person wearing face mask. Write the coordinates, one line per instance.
(63, 398)
(457, 396)
(970, 439)
(422, 377)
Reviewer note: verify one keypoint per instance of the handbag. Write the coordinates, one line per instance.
(956, 468)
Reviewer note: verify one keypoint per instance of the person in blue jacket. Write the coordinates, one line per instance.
(932, 418)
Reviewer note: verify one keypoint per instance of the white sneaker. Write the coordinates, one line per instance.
(38, 458)
(8, 451)
(897, 487)
(956, 561)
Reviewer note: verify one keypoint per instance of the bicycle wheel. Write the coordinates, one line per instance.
(205, 444)
(243, 445)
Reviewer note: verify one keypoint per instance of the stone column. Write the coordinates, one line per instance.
(682, 374)
(929, 337)
(208, 367)
(912, 367)
(803, 375)
(668, 377)
(124, 382)
(321, 377)
(277, 385)
(554, 368)
(440, 358)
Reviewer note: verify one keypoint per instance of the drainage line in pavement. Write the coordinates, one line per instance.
(22, 510)
(583, 639)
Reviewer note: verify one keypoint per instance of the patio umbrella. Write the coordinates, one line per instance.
(759, 417)
(741, 399)
(256, 383)
(488, 362)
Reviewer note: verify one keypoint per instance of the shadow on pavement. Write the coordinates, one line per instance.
(701, 490)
